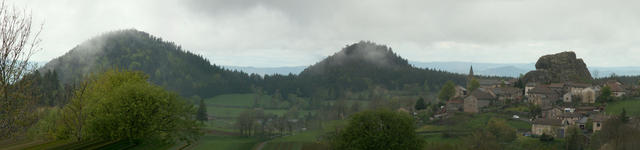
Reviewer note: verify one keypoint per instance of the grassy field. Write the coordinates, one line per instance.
(217, 142)
(306, 140)
(631, 106)
(476, 121)
(237, 100)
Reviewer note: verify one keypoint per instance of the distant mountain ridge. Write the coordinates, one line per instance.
(488, 69)
(267, 70)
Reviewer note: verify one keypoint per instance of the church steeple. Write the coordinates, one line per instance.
(470, 77)
(471, 72)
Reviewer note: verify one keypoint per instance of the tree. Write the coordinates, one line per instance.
(123, 105)
(616, 134)
(534, 111)
(589, 125)
(473, 85)
(377, 129)
(546, 138)
(355, 107)
(448, 91)
(245, 122)
(574, 139)
(482, 140)
(501, 130)
(202, 111)
(19, 43)
(420, 104)
(623, 116)
(74, 114)
(605, 94)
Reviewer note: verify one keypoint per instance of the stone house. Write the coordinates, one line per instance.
(567, 97)
(568, 118)
(542, 96)
(617, 89)
(455, 105)
(598, 120)
(478, 99)
(550, 112)
(588, 95)
(460, 91)
(490, 83)
(552, 127)
(582, 123)
(528, 87)
(576, 88)
(507, 93)
(559, 87)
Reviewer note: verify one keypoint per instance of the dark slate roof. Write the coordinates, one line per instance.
(615, 87)
(599, 117)
(542, 90)
(506, 90)
(481, 94)
(569, 115)
(489, 82)
(556, 85)
(553, 122)
(579, 85)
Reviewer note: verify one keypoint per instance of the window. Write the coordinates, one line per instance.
(598, 124)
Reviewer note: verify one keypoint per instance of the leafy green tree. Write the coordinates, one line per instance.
(534, 111)
(473, 85)
(482, 140)
(546, 138)
(245, 122)
(202, 111)
(503, 132)
(448, 91)
(377, 129)
(589, 125)
(605, 94)
(574, 139)
(420, 105)
(123, 105)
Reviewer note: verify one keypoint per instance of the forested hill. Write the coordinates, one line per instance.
(358, 67)
(165, 63)
(366, 65)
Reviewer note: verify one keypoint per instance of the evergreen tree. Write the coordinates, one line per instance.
(420, 104)
(202, 111)
(623, 116)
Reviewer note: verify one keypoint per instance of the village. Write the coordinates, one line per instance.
(557, 106)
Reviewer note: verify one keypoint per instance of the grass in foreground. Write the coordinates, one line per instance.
(217, 142)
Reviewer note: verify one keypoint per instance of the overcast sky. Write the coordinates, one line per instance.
(296, 32)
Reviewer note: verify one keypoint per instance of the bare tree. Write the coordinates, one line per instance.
(19, 42)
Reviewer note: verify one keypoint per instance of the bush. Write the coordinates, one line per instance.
(377, 129)
(546, 138)
(123, 105)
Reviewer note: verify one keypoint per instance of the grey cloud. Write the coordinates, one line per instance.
(301, 32)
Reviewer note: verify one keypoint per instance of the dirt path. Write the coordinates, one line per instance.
(261, 145)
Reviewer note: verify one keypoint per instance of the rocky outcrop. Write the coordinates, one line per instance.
(560, 67)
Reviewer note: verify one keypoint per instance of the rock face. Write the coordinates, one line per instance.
(557, 68)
